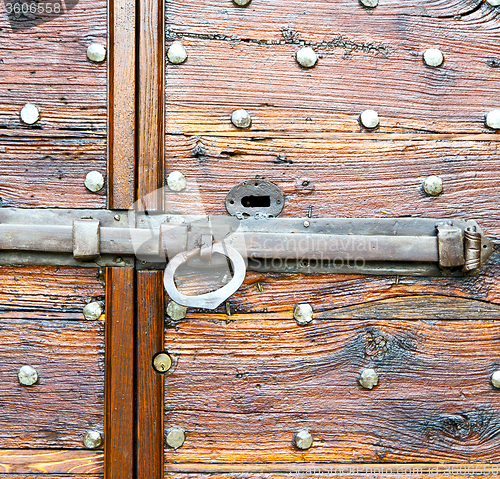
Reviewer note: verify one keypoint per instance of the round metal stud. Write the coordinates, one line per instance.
(369, 3)
(162, 362)
(96, 52)
(94, 181)
(29, 114)
(303, 313)
(176, 311)
(493, 3)
(368, 379)
(433, 185)
(369, 119)
(495, 379)
(175, 437)
(92, 440)
(176, 53)
(176, 181)
(303, 439)
(27, 376)
(433, 57)
(241, 119)
(306, 57)
(242, 3)
(92, 311)
(493, 120)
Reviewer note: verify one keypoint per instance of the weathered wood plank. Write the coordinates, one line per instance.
(433, 403)
(48, 291)
(68, 399)
(16, 463)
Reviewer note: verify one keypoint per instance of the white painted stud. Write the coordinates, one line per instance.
(495, 379)
(493, 3)
(303, 313)
(176, 311)
(433, 57)
(242, 3)
(176, 181)
(94, 181)
(176, 53)
(433, 185)
(27, 376)
(369, 3)
(30, 114)
(368, 379)
(493, 120)
(241, 119)
(369, 119)
(92, 311)
(306, 57)
(96, 52)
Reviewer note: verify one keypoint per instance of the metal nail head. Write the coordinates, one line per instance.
(433, 185)
(433, 57)
(94, 181)
(29, 114)
(92, 440)
(495, 379)
(177, 53)
(175, 437)
(303, 313)
(96, 52)
(27, 376)
(176, 311)
(369, 3)
(303, 439)
(176, 181)
(92, 311)
(306, 57)
(162, 362)
(242, 3)
(493, 3)
(241, 119)
(493, 120)
(369, 119)
(368, 379)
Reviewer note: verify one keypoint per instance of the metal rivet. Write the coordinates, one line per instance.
(30, 114)
(176, 311)
(306, 57)
(27, 376)
(433, 185)
(241, 119)
(369, 119)
(175, 437)
(117, 217)
(306, 224)
(433, 57)
(92, 440)
(94, 181)
(303, 313)
(96, 52)
(176, 53)
(495, 379)
(162, 362)
(92, 311)
(242, 3)
(303, 439)
(176, 181)
(494, 3)
(369, 3)
(493, 120)
(368, 379)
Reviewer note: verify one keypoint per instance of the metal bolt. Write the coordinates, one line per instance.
(368, 379)
(176, 181)
(92, 440)
(176, 53)
(162, 362)
(493, 119)
(27, 376)
(94, 181)
(175, 437)
(369, 119)
(303, 313)
(433, 57)
(306, 224)
(306, 57)
(96, 52)
(241, 119)
(494, 3)
(495, 379)
(92, 311)
(433, 185)
(30, 114)
(369, 3)
(242, 3)
(303, 439)
(176, 311)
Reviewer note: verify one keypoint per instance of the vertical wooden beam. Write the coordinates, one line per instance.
(119, 375)
(149, 334)
(121, 103)
(150, 103)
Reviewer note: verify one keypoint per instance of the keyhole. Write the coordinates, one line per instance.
(256, 201)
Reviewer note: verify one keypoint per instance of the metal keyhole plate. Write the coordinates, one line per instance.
(255, 197)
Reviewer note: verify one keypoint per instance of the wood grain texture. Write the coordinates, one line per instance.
(121, 104)
(241, 388)
(21, 464)
(48, 292)
(244, 58)
(67, 400)
(119, 391)
(150, 384)
(151, 104)
(46, 64)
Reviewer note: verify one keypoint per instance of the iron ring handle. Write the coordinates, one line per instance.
(214, 298)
